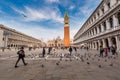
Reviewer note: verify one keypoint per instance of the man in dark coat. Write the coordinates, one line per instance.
(101, 51)
(43, 52)
(113, 50)
(21, 55)
(49, 50)
(70, 50)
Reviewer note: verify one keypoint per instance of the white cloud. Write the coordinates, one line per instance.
(46, 34)
(88, 8)
(38, 32)
(71, 7)
(46, 13)
(52, 1)
(76, 24)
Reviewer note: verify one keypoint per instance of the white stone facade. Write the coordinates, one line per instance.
(102, 28)
(10, 38)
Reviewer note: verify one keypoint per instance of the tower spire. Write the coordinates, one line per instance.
(66, 17)
(66, 14)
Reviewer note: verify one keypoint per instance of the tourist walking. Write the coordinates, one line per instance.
(106, 52)
(75, 49)
(101, 51)
(70, 50)
(21, 55)
(43, 52)
(113, 50)
(49, 50)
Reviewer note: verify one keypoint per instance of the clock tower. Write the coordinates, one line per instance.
(66, 30)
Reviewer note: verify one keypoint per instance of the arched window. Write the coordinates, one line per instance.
(96, 30)
(102, 10)
(108, 3)
(118, 15)
(111, 22)
(104, 24)
(117, 1)
(98, 14)
(93, 31)
(99, 28)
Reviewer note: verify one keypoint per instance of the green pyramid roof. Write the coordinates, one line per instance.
(66, 14)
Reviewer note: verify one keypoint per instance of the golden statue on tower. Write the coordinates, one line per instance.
(66, 30)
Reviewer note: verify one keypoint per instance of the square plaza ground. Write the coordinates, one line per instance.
(52, 68)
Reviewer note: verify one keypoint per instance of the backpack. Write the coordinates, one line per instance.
(21, 53)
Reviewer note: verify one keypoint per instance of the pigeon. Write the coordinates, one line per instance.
(88, 63)
(57, 63)
(60, 59)
(82, 60)
(105, 60)
(42, 65)
(98, 59)
(99, 66)
(77, 59)
(111, 64)
(24, 15)
(89, 56)
(114, 57)
(87, 59)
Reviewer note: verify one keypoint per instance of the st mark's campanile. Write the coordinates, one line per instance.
(66, 30)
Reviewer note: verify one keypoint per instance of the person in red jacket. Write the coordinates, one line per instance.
(106, 52)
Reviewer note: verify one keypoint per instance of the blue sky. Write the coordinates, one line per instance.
(43, 19)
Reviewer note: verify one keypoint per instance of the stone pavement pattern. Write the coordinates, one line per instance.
(66, 69)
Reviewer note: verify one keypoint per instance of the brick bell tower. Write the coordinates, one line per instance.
(66, 30)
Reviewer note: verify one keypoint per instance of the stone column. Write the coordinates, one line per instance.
(107, 24)
(92, 45)
(95, 45)
(102, 28)
(6, 41)
(1, 38)
(98, 31)
(105, 7)
(110, 42)
(117, 42)
(113, 2)
(115, 21)
(94, 31)
(99, 44)
(89, 45)
(104, 44)
(100, 12)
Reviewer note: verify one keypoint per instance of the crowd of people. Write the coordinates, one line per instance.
(104, 52)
